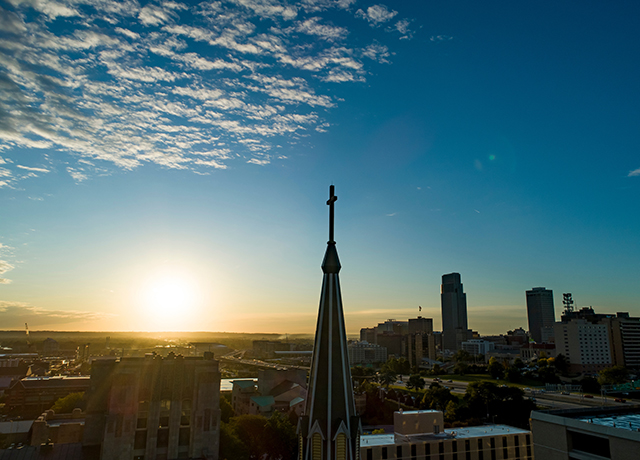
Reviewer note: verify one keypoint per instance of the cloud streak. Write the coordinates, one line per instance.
(169, 82)
(15, 314)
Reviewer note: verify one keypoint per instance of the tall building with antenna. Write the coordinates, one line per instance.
(329, 428)
(540, 313)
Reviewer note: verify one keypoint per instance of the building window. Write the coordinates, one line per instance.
(493, 448)
(185, 419)
(480, 450)
(384, 453)
(341, 447)
(505, 451)
(316, 446)
(369, 454)
(441, 450)
(414, 452)
(163, 437)
(467, 449)
(140, 440)
(184, 436)
(398, 451)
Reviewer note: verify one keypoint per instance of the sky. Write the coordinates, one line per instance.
(165, 165)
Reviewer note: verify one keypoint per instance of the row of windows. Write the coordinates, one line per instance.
(465, 454)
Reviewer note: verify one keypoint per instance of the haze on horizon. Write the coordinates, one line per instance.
(165, 165)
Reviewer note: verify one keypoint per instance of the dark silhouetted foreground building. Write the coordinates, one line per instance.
(154, 408)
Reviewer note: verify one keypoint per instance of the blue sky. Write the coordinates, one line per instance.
(164, 165)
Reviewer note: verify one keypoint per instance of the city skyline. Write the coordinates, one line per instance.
(163, 166)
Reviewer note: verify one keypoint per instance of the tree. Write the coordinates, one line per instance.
(495, 368)
(437, 397)
(226, 411)
(281, 438)
(68, 403)
(450, 411)
(231, 447)
(513, 375)
(518, 363)
(387, 378)
(561, 363)
(462, 356)
(436, 369)
(461, 368)
(416, 382)
(613, 375)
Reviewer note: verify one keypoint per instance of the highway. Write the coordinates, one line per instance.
(543, 400)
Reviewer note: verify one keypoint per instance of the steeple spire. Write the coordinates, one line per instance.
(330, 429)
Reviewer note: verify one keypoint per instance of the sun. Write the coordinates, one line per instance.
(169, 301)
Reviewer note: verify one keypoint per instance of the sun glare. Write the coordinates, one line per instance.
(170, 301)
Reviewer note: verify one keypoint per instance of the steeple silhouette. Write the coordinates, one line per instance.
(329, 428)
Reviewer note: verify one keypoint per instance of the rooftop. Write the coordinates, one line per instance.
(372, 440)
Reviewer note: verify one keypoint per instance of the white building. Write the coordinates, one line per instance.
(419, 435)
(478, 346)
(366, 353)
(586, 345)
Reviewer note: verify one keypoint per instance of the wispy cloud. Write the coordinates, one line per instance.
(28, 168)
(15, 314)
(5, 267)
(635, 172)
(171, 81)
(441, 38)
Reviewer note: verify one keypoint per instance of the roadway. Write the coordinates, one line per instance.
(544, 400)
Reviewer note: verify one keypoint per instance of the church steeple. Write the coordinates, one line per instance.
(329, 428)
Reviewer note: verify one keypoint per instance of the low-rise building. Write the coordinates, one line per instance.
(31, 396)
(275, 390)
(366, 353)
(477, 346)
(420, 435)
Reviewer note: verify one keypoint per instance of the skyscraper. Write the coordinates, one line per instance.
(454, 312)
(329, 428)
(540, 313)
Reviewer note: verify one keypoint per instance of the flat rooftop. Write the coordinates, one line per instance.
(629, 421)
(372, 440)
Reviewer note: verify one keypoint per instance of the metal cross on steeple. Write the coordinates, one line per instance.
(332, 199)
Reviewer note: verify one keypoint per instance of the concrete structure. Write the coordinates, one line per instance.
(368, 334)
(366, 353)
(593, 433)
(454, 312)
(540, 313)
(393, 326)
(624, 336)
(330, 428)
(58, 428)
(154, 408)
(419, 435)
(477, 346)
(421, 347)
(420, 325)
(585, 345)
